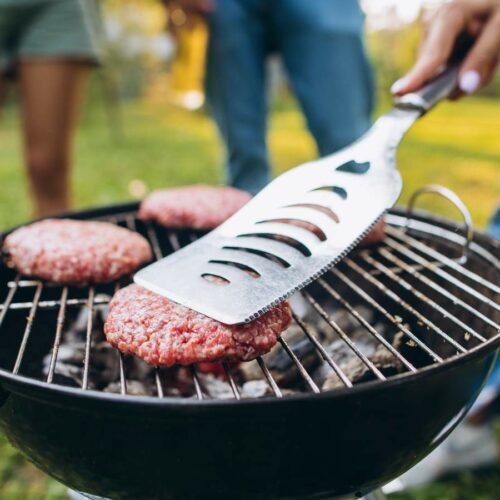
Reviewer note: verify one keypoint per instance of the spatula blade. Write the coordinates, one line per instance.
(297, 227)
(293, 231)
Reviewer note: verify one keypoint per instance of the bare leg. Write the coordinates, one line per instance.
(4, 88)
(51, 93)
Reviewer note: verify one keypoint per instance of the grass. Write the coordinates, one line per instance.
(482, 484)
(456, 145)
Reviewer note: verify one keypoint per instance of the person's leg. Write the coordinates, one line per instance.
(235, 88)
(4, 88)
(324, 54)
(51, 92)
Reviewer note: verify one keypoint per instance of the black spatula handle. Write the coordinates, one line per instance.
(442, 86)
(438, 89)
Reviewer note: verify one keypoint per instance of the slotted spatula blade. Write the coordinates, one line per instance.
(300, 225)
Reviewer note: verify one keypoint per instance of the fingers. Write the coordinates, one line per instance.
(449, 22)
(479, 65)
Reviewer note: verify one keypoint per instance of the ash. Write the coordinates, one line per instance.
(143, 380)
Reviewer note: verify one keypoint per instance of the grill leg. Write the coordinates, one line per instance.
(375, 495)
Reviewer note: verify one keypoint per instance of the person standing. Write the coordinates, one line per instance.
(472, 444)
(322, 48)
(47, 48)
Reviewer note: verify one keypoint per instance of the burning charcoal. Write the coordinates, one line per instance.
(342, 318)
(281, 365)
(358, 372)
(134, 388)
(250, 370)
(137, 369)
(69, 366)
(410, 349)
(341, 353)
(347, 322)
(105, 363)
(71, 354)
(215, 387)
(256, 389)
(398, 340)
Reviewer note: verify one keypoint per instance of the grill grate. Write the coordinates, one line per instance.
(439, 306)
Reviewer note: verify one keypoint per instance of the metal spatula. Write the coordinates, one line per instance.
(301, 224)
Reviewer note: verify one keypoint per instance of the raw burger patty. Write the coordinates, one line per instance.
(76, 252)
(196, 207)
(162, 332)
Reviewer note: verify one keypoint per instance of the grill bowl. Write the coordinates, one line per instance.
(340, 442)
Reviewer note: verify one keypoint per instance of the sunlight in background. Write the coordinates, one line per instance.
(390, 14)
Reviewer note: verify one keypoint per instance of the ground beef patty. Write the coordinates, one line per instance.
(76, 252)
(162, 332)
(196, 207)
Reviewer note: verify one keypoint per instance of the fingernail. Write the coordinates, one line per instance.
(398, 85)
(469, 81)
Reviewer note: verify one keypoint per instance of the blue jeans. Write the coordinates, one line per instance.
(321, 45)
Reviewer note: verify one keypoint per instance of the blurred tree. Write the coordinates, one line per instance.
(139, 51)
(137, 46)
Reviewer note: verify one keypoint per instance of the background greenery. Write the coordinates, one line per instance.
(141, 142)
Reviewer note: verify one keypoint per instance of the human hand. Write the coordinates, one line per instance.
(479, 19)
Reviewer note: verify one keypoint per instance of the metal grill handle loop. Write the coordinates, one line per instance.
(456, 201)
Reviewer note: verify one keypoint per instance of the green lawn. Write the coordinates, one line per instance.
(457, 146)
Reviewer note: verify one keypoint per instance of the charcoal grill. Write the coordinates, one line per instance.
(427, 283)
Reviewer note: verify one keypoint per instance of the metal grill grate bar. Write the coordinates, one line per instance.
(88, 338)
(375, 268)
(392, 258)
(270, 380)
(322, 352)
(123, 378)
(395, 321)
(367, 325)
(153, 239)
(159, 387)
(174, 241)
(27, 330)
(431, 252)
(232, 383)
(402, 302)
(344, 337)
(303, 372)
(8, 300)
(130, 221)
(450, 279)
(196, 382)
(456, 300)
(57, 339)
(54, 304)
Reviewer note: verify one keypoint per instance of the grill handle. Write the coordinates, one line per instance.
(456, 201)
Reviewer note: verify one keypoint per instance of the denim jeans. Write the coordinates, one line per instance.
(321, 45)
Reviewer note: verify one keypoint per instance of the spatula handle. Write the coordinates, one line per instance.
(430, 94)
(442, 86)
